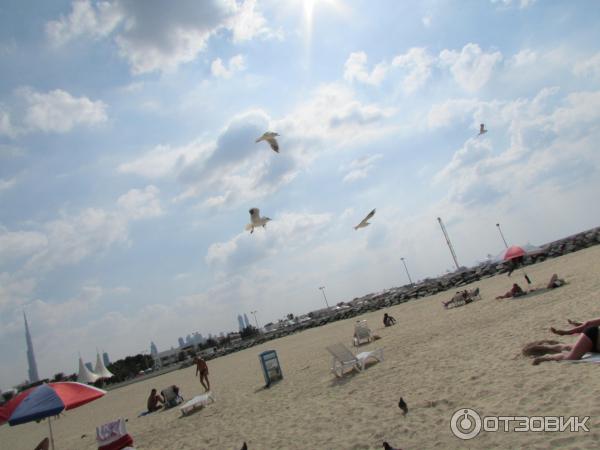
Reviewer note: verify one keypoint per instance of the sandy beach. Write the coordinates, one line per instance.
(438, 360)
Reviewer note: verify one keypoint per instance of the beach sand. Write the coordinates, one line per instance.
(438, 360)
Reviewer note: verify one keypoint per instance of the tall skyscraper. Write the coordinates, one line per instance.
(105, 359)
(181, 342)
(153, 350)
(241, 322)
(89, 366)
(33, 372)
(246, 321)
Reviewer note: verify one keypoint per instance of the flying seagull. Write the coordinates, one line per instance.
(365, 222)
(269, 136)
(403, 406)
(256, 220)
(482, 129)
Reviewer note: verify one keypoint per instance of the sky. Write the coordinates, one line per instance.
(128, 160)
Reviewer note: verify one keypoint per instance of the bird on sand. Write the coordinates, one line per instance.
(482, 129)
(403, 406)
(387, 446)
(270, 136)
(256, 220)
(365, 222)
(244, 447)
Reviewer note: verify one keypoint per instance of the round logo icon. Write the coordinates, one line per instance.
(465, 424)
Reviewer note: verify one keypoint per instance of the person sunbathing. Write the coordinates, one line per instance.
(155, 401)
(587, 342)
(458, 297)
(555, 282)
(515, 291)
(388, 320)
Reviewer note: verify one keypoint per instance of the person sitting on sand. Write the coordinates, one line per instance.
(587, 342)
(458, 297)
(555, 282)
(155, 401)
(202, 369)
(515, 291)
(388, 320)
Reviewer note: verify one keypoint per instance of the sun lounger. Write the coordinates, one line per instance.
(588, 357)
(113, 436)
(344, 358)
(198, 402)
(362, 333)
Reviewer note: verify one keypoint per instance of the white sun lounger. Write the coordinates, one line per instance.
(198, 402)
(362, 333)
(588, 357)
(344, 358)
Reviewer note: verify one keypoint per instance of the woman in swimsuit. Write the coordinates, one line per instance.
(587, 342)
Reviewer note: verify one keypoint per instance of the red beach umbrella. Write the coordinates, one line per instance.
(47, 400)
(512, 252)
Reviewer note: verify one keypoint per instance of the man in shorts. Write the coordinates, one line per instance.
(202, 369)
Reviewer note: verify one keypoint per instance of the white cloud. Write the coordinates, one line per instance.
(236, 64)
(164, 160)
(152, 36)
(233, 168)
(18, 244)
(549, 146)
(5, 185)
(360, 167)
(141, 204)
(522, 4)
(58, 111)
(590, 67)
(355, 68)
(451, 111)
(524, 57)
(417, 63)
(6, 126)
(471, 67)
(285, 233)
(86, 18)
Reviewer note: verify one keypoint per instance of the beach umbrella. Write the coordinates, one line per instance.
(512, 252)
(47, 400)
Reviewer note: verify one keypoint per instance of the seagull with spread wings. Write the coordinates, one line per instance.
(482, 129)
(270, 136)
(365, 222)
(256, 220)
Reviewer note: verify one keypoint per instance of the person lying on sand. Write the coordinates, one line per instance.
(587, 342)
(555, 282)
(155, 401)
(388, 320)
(458, 297)
(515, 291)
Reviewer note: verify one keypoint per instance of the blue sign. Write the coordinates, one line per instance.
(270, 366)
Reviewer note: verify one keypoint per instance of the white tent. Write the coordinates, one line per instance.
(100, 369)
(85, 375)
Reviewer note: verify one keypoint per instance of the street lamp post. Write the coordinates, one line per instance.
(407, 274)
(501, 235)
(255, 319)
(322, 288)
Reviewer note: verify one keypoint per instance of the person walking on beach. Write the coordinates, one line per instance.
(202, 369)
